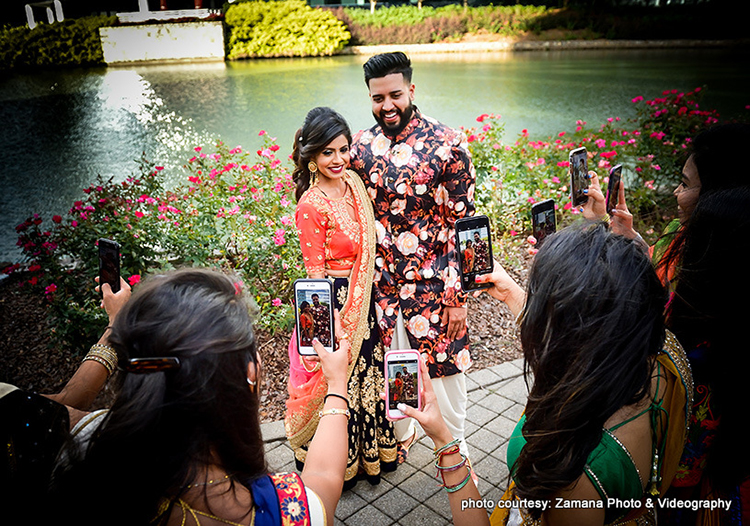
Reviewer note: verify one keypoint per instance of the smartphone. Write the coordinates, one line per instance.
(579, 176)
(615, 176)
(313, 314)
(109, 263)
(474, 247)
(403, 381)
(543, 221)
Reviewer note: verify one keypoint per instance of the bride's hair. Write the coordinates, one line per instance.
(321, 126)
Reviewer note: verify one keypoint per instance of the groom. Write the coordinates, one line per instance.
(419, 175)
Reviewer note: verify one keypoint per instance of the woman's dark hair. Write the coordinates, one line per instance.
(709, 308)
(384, 64)
(592, 320)
(165, 427)
(714, 152)
(321, 126)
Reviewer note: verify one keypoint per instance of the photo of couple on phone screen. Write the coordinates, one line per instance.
(314, 317)
(402, 383)
(474, 251)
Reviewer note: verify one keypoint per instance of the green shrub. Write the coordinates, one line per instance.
(411, 25)
(234, 212)
(69, 43)
(513, 175)
(283, 28)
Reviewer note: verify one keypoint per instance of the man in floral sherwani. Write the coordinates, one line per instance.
(420, 178)
(481, 254)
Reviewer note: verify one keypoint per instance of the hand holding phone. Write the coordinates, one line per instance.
(109, 264)
(579, 176)
(474, 249)
(403, 381)
(313, 309)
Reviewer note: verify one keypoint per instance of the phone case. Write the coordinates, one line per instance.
(109, 263)
(615, 176)
(474, 250)
(545, 225)
(313, 315)
(578, 176)
(402, 386)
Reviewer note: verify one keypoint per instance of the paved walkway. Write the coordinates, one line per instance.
(410, 495)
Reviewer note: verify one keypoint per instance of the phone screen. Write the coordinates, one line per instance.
(579, 180)
(615, 176)
(109, 264)
(474, 246)
(314, 314)
(402, 371)
(543, 220)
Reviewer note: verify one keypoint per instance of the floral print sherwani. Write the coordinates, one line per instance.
(420, 182)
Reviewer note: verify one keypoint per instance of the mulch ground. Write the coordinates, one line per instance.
(29, 361)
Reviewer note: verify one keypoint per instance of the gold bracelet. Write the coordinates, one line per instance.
(334, 411)
(104, 355)
(606, 218)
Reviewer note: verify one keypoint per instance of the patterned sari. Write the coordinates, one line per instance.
(331, 240)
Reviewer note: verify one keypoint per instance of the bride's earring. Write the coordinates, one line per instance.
(313, 168)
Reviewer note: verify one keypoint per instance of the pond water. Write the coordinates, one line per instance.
(62, 128)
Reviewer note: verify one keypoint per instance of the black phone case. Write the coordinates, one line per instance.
(467, 278)
(109, 264)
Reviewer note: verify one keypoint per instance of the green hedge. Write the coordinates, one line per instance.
(68, 43)
(411, 25)
(288, 28)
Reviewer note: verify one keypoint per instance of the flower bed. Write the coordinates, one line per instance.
(235, 209)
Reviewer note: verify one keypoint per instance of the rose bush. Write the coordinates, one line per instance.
(652, 147)
(235, 210)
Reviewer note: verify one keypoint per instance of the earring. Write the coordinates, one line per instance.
(250, 382)
(312, 167)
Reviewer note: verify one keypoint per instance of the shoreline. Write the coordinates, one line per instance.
(541, 45)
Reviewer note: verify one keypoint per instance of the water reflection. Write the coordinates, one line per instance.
(62, 128)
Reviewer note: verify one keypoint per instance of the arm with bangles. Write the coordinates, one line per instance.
(452, 466)
(99, 364)
(325, 464)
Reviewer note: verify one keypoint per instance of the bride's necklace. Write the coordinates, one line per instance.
(344, 194)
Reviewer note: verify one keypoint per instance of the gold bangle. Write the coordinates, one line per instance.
(334, 411)
(104, 355)
(606, 218)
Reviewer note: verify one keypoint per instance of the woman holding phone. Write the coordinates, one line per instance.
(607, 410)
(182, 441)
(337, 234)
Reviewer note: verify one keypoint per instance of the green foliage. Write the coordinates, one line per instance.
(282, 28)
(234, 212)
(68, 43)
(411, 25)
(652, 147)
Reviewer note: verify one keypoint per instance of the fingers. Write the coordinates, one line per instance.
(621, 204)
(407, 410)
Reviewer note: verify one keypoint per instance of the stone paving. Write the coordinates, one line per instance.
(410, 495)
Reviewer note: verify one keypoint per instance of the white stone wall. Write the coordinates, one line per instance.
(163, 42)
